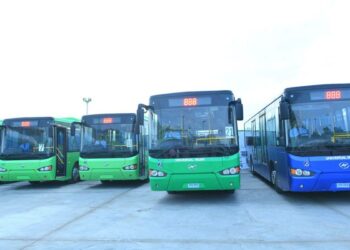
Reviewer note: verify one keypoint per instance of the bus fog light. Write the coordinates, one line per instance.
(3, 170)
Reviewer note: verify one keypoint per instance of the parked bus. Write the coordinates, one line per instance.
(38, 149)
(301, 141)
(194, 141)
(113, 148)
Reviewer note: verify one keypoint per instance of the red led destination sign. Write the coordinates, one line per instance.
(332, 95)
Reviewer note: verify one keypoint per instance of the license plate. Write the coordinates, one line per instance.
(343, 185)
(193, 185)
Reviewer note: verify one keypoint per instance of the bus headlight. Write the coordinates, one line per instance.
(231, 171)
(83, 168)
(3, 169)
(47, 168)
(130, 167)
(306, 173)
(226, 172)
(300, 172)
(156, 173)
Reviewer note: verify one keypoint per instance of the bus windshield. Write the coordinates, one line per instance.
(320, 126)
(193, 132)
(26, 143)
(108, 140)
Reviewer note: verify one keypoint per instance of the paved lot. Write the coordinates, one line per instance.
(89, 215)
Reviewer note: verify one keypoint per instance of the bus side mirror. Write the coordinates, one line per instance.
(2, 127)
(50, 134)
(140, 116)
(72, 130)
(137, 128)
(284, 110)
(239, 109)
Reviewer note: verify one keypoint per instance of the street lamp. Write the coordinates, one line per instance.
(87, 100)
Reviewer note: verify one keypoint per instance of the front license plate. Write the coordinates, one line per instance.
(193, 185)
(343, 185)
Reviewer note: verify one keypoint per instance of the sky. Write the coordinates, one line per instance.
(55, 53)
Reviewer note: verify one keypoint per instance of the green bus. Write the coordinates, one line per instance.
(193, 141)
(113, 148)
(38, 149)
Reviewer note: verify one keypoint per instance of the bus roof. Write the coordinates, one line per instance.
(106, 115)
(318, 86)
(193, 93)
(301, 89)
(56, 120)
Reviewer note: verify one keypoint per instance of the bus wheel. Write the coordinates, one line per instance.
(75, 174)
(252, 170)
(274, 180)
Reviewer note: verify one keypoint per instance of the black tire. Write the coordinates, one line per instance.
(105, 182)
(251, 165)
(274, 179)
(75, 174)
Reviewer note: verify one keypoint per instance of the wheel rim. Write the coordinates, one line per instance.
(273, 177)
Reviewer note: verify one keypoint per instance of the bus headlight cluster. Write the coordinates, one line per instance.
(231, 171)
(130, 167)
(83, 168)
(157, 173)
(47, 168)
(300, 172)
(3, 170)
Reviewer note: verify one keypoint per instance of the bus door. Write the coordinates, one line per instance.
(61, 151)
(263, 142)
(254, 134)
(142, 155)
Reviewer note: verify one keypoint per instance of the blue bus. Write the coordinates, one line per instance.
(300, 142)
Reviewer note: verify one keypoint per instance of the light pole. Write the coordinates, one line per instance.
(87, 100)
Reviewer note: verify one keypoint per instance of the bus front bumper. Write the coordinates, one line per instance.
(109, 175)
(324, 182)
(27, 175)
(194, 182)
